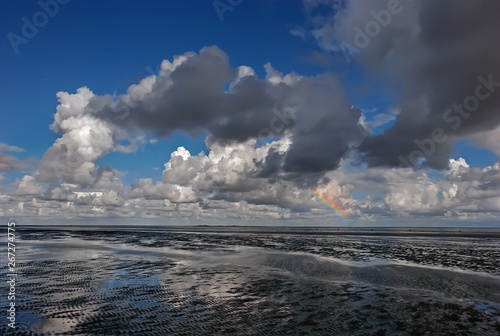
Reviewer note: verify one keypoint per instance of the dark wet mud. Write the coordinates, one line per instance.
(174, 283)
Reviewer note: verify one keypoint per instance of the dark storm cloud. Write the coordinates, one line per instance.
(204, 93)
(272, 164)
(445, 54)
(194, 96)
(326, 126)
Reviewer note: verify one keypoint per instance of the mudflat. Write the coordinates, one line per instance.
(256, 281)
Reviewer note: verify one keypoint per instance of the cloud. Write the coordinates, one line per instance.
(382, 119)
(200, 92)
(190, 94)
(461, 190)
(84, 139)
(488, 139)
(444, 56)
(230, 172)
(260, 151)
(6, 148)
(9, 162)
(326, 126)
(227, 184)
(273, 141)
(28, 186)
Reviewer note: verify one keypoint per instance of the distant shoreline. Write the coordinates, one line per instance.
(467, 232)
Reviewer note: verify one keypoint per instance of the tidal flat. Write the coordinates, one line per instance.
(255, 281)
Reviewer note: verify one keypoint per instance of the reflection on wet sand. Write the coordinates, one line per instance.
(178, 283)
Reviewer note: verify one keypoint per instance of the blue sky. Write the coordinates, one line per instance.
(107, 46)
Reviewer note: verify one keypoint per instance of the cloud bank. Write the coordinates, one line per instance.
(271, 142)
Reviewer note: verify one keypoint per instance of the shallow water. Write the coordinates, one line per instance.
(154, 281)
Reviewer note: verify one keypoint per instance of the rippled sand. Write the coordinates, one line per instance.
(82, 282)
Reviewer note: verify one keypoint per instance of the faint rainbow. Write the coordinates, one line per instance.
(323, 198)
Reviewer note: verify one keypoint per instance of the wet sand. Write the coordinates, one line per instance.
(231, 281)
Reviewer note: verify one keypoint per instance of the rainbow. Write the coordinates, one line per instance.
(330, 203)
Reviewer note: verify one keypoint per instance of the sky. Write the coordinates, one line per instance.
(239, 112)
